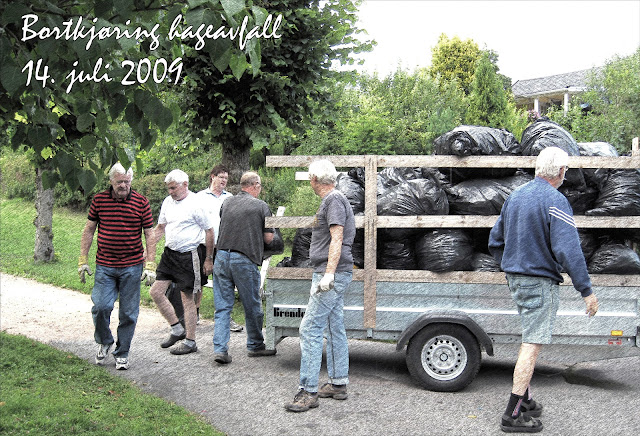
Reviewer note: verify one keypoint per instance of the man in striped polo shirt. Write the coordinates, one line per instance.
(120, 214)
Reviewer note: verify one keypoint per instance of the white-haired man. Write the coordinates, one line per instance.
(120, 214)
(185, 260)
(534, 239)
(330, 254)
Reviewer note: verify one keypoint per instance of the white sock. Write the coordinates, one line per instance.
(177, 330)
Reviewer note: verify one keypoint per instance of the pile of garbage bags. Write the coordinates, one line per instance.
(483, 191)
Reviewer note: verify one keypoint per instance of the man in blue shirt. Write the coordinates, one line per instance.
(534, 239)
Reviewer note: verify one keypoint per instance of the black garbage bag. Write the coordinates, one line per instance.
(275, 247)
(545, 133)
(476, 141)
(619, 194)
(589, 242)
(595, 177)
(357, 249)
(581, 200)
(393, 176)
(478, 197)
(518, 179)
(357, 174)
(300, 248)
(413, 197)
(484, 262)
(353, 190)
(614, 258)
(444, 250)
(396, 254)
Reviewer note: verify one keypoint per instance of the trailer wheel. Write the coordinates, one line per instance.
(443, 357)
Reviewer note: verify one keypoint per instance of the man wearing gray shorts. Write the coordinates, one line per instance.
(534, 239)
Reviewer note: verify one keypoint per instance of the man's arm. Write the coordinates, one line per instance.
(335, 251)
(208, 240)
(150, 242)
(87, 237)
(85, 244)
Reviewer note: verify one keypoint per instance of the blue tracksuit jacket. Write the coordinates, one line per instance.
(536, 235)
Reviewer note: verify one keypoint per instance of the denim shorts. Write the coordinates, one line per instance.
(537, 300)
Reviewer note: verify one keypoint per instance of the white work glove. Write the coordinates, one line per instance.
(326, 284)
(83, 267)
(149, 273)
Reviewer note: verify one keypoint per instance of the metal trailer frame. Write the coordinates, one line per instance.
(445, 320)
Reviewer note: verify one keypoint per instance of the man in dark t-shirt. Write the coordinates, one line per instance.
(239, 252)
(120, 215)
(330, 255)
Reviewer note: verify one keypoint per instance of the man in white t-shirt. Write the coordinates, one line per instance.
(213, 197)
(187, 259)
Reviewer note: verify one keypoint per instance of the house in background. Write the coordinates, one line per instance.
(542, 93)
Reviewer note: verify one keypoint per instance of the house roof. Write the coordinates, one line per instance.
(544, 85)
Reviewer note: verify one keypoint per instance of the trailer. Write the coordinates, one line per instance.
(446, 320)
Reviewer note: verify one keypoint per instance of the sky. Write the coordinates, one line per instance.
(532, 38)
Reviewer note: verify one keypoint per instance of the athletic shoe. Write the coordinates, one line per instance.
(122, 363)
(103, 353)
(521, 424)
(183, 348)
(531, 409)
(235, 327)
(172, 339)
(303, 401)
(222, 358)
(261, 352)
(337, 392)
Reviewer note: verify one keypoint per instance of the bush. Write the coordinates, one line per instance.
(304, 202)
(17, 176)
(153, 187)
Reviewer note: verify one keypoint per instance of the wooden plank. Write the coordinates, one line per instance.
(466, 277)
(454, 221)
(370, 241)
(628, 162)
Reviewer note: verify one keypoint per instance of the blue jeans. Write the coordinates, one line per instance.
(235, 270)
(325, 314)
(109, 284)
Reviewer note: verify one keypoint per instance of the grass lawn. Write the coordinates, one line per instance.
(48, 392)
(17, 236)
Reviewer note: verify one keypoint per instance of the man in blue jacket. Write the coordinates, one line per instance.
(534, 239)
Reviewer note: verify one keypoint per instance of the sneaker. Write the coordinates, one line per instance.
(103, 353)
(337, 392)
(172, 339)
(531, 409)
(222, 358)
(183, 348)
(521, 424)
(303, 401)
(261, 352)
(235, 327)
(122, 363)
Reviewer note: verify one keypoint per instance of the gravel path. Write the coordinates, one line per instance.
(585, 391)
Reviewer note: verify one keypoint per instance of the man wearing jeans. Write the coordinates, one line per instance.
(534, 239)
(119, 214)
(330, 255)
(239, 252)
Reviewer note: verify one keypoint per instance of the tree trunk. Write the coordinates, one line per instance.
(235, 156)
(43, 250)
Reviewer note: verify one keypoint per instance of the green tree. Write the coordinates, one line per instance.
(610, 108)
(453, 59)
(241, 107)
(488, 103)
(400, 114)
(68, 123)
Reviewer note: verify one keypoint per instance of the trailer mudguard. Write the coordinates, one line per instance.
(446, 317)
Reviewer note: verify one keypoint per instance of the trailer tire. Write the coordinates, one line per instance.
(443, 357)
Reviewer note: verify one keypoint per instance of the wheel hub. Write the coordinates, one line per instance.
(444, 357)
